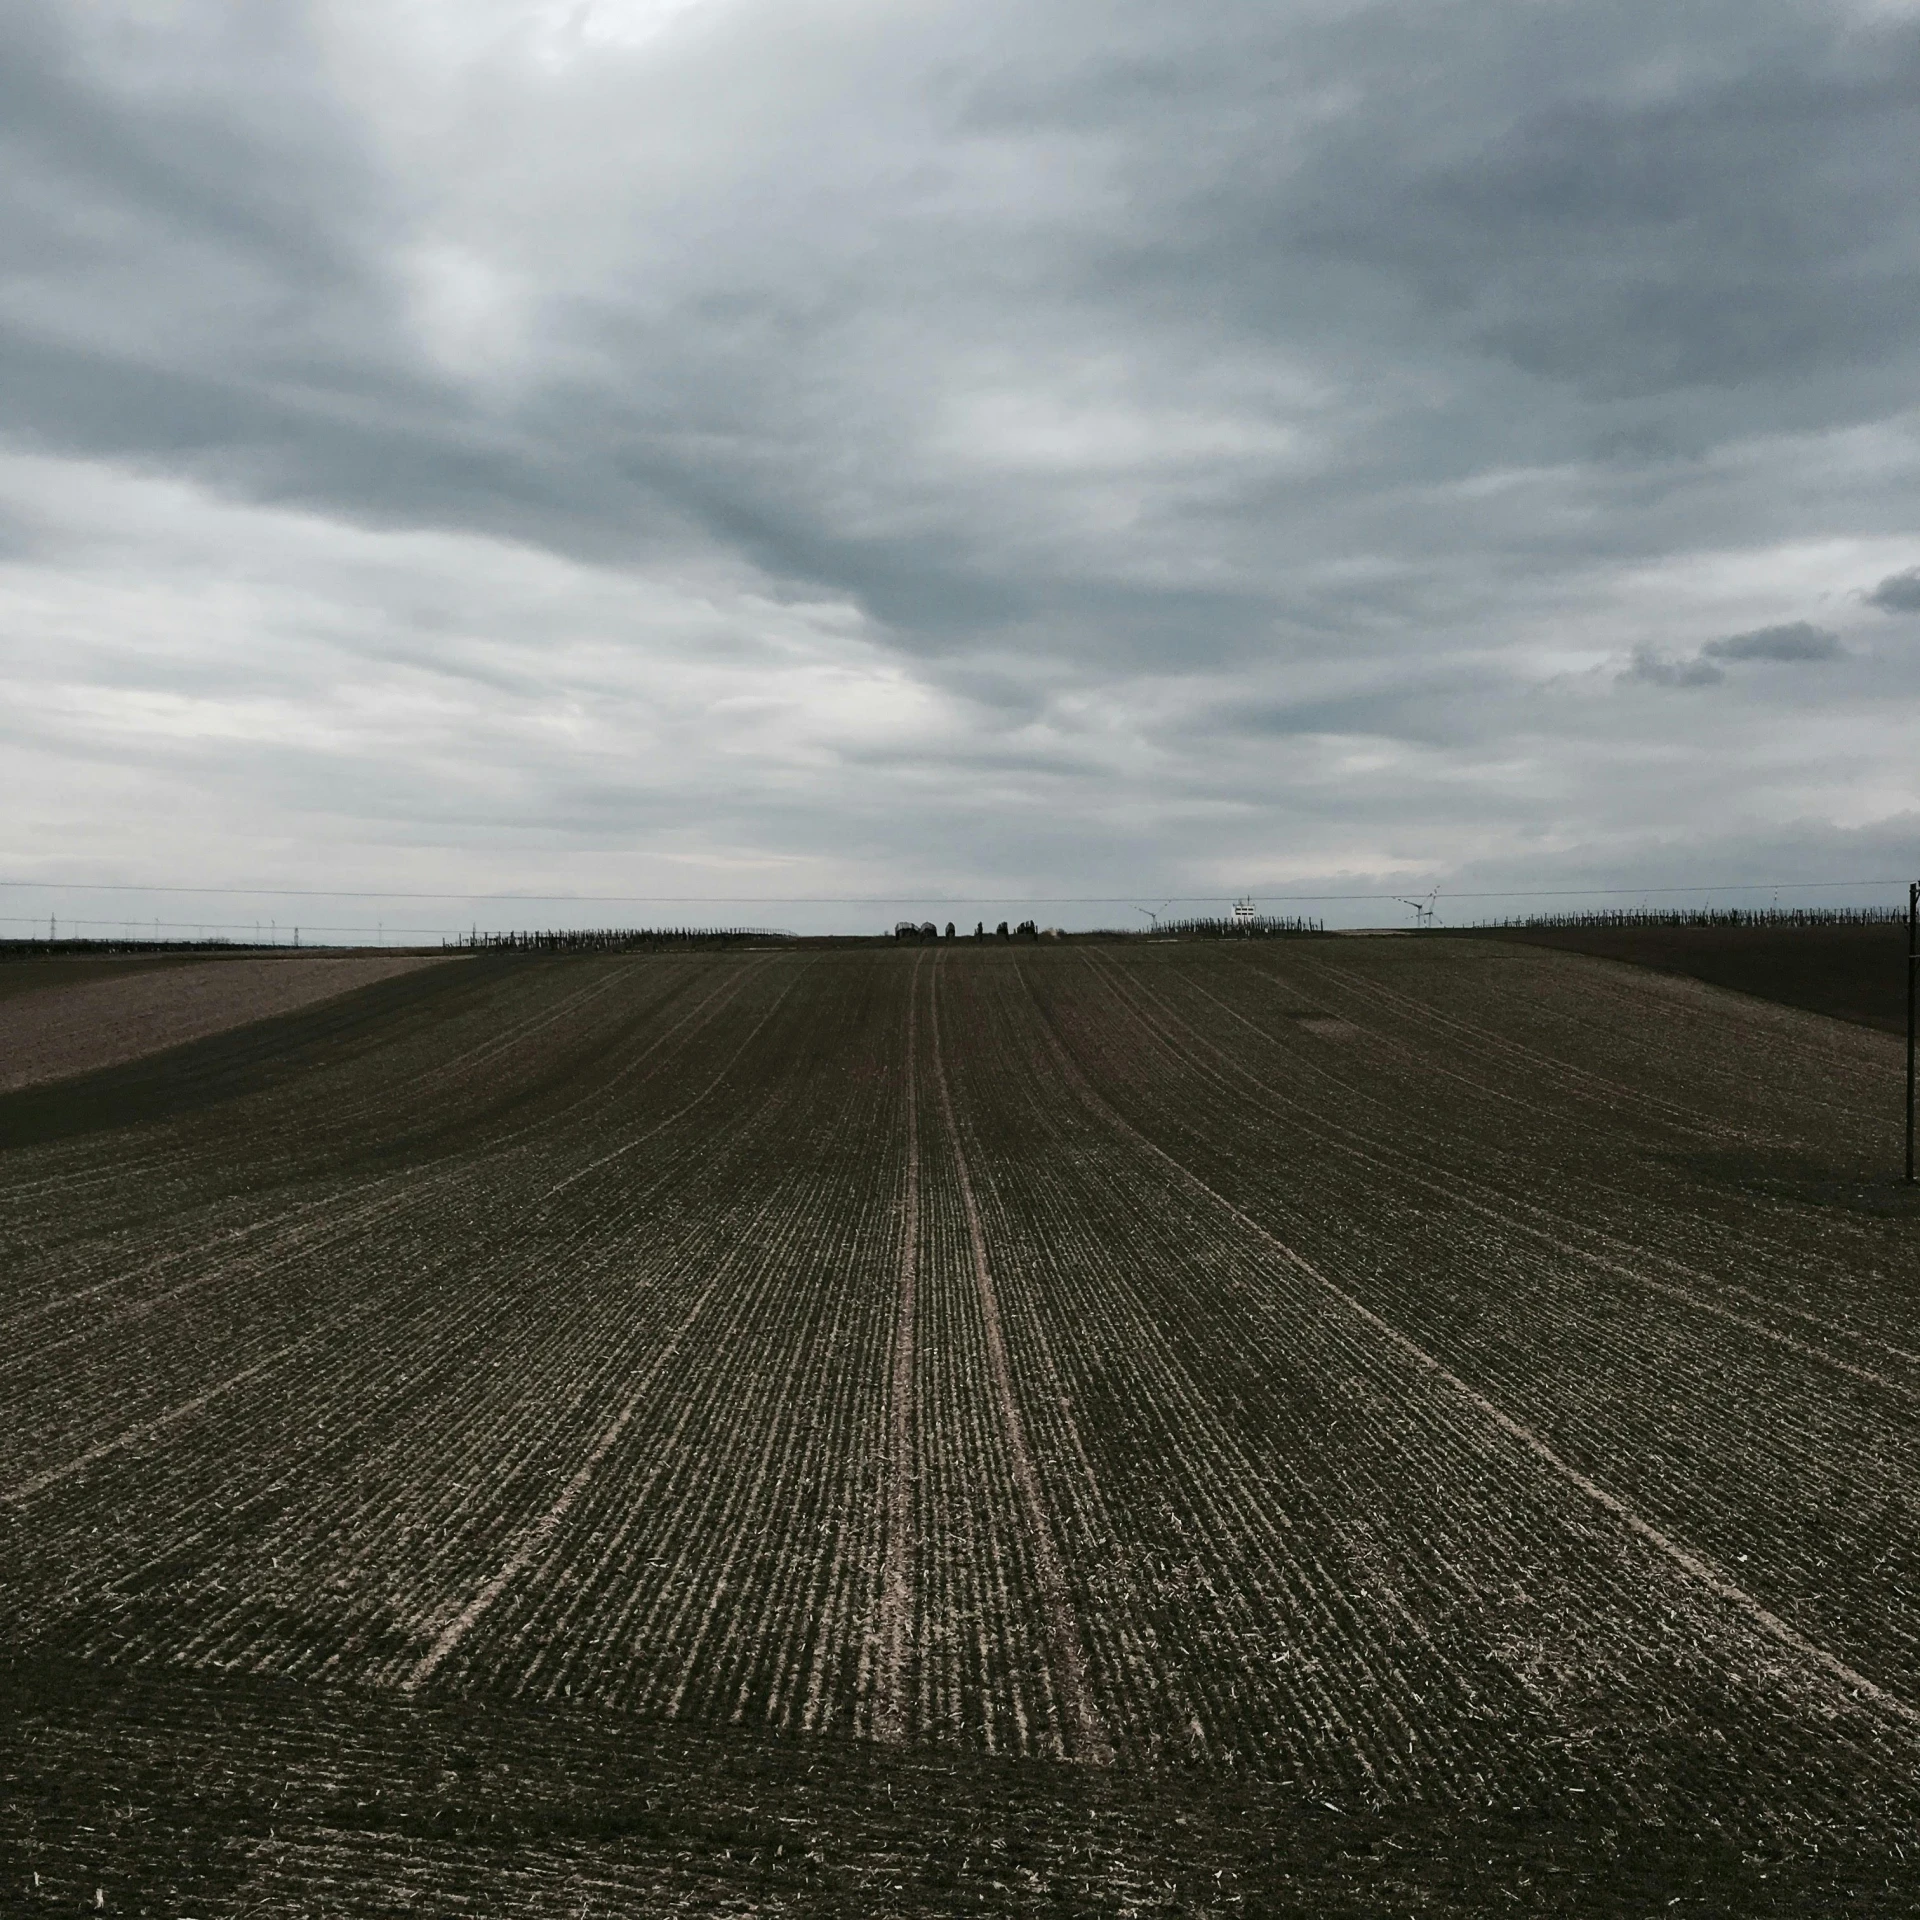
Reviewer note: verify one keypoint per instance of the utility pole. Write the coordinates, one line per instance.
(1913, 975)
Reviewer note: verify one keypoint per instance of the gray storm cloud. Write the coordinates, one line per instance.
(1897, 593)
(748, 450)
(1664, 670)
(1797, 640)
(1794, 643)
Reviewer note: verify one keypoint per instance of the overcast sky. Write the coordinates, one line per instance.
(875, 448)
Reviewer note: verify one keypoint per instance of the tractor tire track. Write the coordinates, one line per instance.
(1089, 1737)
(896, 1610)
(536, 1536)
(1561, 1236)
(1856, 1686)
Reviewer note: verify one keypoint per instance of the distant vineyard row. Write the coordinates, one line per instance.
(1709, 917)
(615, 939)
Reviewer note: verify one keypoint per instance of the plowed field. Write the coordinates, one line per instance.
(1851, 972)
(100, 1014)
(1335, 1427)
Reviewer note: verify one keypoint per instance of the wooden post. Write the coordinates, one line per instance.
(1913, 974)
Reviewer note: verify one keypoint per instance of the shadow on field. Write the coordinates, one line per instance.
(1849, 973)
(1808, 1181)
(207, 1073)
(30, 974)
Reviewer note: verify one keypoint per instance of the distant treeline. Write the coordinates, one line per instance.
(914, 930)
(614, 939)
(1712, 917)
(39, 949)
(1263, 926)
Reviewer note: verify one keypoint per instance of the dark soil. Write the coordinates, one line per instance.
(1852, 973)
(180, 1793)
(1661, 1236)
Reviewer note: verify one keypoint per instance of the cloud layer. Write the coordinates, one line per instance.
(686, 447)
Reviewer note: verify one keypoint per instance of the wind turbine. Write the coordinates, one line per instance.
(1154, 913)
(1424, 910)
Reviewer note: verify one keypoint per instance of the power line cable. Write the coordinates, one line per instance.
(929, 899)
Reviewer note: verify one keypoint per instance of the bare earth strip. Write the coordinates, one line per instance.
(60, 1031)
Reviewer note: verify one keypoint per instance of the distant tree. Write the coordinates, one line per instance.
(928, 931)
(1002, 931)
(949, 929)
(979, 929)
